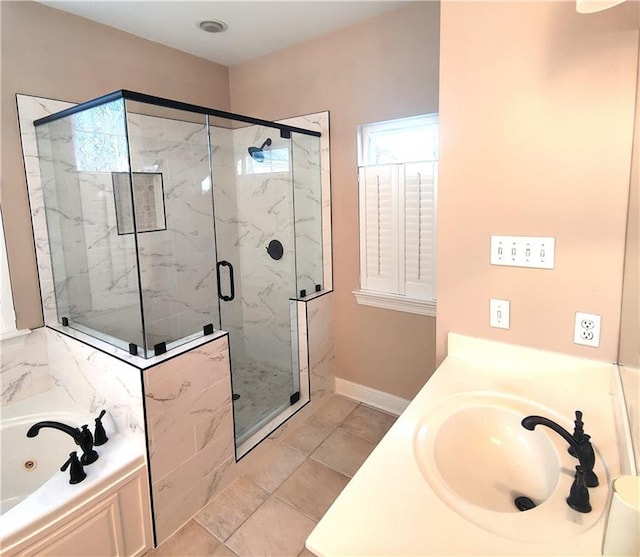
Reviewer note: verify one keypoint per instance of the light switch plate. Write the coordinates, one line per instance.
(523, 251)
(499, 313)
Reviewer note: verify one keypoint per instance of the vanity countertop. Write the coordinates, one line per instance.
(388, 508)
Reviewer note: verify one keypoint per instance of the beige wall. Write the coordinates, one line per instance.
(383, 68)
(537, 110)
(49, 53)
(629, 351)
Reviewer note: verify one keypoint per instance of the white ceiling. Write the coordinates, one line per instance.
(255, 27)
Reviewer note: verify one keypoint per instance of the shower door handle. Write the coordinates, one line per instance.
(232, 294)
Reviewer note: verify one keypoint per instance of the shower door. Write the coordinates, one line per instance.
(256, 268)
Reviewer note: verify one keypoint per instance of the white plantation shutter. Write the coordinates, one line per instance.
(419, 229)
(379, 227)
(397, 228)
(398, 185)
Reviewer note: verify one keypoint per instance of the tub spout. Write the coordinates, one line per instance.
(82, 438)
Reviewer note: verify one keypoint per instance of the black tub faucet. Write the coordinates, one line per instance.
(581, 446)
(100, 435)
(77, 473)
(82, 438)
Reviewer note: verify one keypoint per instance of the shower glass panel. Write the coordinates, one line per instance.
(254, 205)
(95, 269)
(172, 193)
(168, 220)
(307, 185)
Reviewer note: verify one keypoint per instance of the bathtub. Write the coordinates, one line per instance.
(42, 513)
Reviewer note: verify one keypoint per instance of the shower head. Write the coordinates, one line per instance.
(257, 153)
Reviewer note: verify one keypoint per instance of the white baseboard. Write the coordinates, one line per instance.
(371, 397)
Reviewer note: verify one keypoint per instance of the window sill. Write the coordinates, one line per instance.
(395, 302)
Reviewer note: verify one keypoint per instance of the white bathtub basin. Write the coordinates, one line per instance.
(28, 463)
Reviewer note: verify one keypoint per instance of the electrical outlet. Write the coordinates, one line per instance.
(499, 313)
(587, 329)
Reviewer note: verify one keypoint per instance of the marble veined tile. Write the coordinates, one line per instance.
(95, 380)
(168, 452)
(24, 369)
(213, 426)
(170, 517)
(184, 415)
(200, 465)
(30, 109)
(321, 346)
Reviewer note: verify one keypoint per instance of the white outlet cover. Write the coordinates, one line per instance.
(499, 313)
(586, 330)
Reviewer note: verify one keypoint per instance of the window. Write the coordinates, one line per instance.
(100, 138)
(398, 166)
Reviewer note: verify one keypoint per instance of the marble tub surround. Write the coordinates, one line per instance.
(382, 509)
(92, 380)
(24, 367)
(95, 380)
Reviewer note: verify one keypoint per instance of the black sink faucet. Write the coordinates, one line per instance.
(82, 438)
(581, 445)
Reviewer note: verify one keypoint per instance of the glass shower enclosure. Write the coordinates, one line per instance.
(168, 221)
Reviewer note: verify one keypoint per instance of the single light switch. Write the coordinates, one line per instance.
(499, 313)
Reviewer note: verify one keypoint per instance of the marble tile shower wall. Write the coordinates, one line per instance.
(265, 213)
(321, 346)
(98, 273)
(308, 195)
(177, 265)
(190, 432)
(94, 268)
(312, 221)
(29, 110)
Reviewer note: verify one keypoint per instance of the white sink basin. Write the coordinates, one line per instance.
(477, 457)
(484, 455)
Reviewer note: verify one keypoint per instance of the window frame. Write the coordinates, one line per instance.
(385, 298)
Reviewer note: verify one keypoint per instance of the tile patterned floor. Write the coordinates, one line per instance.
(270, 511)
